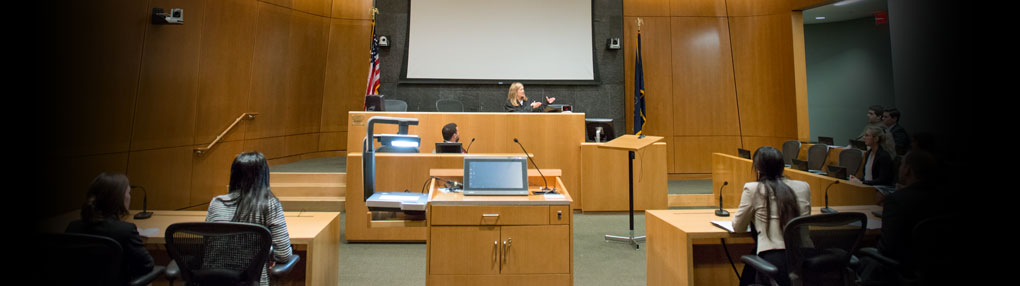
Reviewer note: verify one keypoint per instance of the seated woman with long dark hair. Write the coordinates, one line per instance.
(251, 201)
(770, 202)
(105, 204)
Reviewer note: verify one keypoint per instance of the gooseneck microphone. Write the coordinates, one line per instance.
(721, 211)
(145, 204)
(545, 189)
(826, 209)
(469, 145)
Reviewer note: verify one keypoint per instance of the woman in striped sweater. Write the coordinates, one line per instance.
(251, 201)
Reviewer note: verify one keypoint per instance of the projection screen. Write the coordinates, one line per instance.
(500, 40)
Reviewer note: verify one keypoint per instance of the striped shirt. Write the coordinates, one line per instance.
(221, 209)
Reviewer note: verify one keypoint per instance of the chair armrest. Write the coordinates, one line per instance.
(873, 253)
(760, 265)
(282, 268)
(148, 277)
(173, 272)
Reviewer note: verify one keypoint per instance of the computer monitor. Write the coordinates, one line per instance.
(744, 153)
(593, 125)
(445, 147)
(374, 102)
(825, 140)
(837, 172)
(799, 165)
(495, 176)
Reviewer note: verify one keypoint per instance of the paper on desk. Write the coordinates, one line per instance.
(148, 232)
(727, 225)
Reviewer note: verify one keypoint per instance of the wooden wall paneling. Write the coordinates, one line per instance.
(75, 174)
(306, 68)
(165, 174)
(670, 160)
(646, 8)
(284, 146)
(704, 100)
(225, 69)
(281, 3)
(800, 5)
(764, 73)
(316, 7)
(333, 141)
(694, 153)
(657, 64)
(301, 144)
(352, 9)
(697, 8)
(754, 142)
(491, 135)
(738, 8)
(211, 173)
(96, 63)
(345, 81)
(555, 145)
(734, 171)
(800, 76)
(168, 84)
(269, 65)
(604, 178)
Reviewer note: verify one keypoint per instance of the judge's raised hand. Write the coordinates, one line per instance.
(536, 104)
(550, 99)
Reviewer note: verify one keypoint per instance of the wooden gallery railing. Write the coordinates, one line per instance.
(249, 116)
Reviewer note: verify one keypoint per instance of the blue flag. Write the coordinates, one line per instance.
(639, 91)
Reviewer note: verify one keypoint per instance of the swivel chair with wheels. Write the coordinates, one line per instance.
(214, 253)
(83, 259)
(818, 249)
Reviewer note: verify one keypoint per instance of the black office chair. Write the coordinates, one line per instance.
(214, 253)
(818, 249)
(930, 259)
(449, 105)
(816, 158)
(83, 259)
(790, 151)
(851, 160)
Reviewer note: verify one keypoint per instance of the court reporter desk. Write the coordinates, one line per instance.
(313, 235)
(499, 240)
(737, 171)
(684, 247)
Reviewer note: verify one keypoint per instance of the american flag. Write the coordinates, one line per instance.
(373, 68)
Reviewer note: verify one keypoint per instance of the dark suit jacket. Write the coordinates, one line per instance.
(902, 211)
(524, 107)
(136, 260)
(881, 168)
(901, 138)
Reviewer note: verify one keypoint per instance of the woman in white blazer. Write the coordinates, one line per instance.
(770, 202)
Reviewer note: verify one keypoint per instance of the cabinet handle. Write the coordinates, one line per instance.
(495, 253)
(490, 215)
(559, 215)
(506, 249)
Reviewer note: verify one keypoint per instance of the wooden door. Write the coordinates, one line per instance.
(541, 249)
(464, 250)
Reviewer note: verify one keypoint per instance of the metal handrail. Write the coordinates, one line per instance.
(248, 115)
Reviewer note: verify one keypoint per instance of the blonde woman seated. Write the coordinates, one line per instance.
(770, 202)
(516, 101)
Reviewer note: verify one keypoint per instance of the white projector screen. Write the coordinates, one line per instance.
(500, 40)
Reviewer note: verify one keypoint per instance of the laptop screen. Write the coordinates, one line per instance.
(495, 173)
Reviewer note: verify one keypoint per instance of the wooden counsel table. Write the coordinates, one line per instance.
(684, 247)
(737, 171)
(317, 234)
(499, 240)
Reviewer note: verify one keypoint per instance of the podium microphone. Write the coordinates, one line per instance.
(145, 204)
(469, 145)
(545, 189)
(721, 211)
(826, 209)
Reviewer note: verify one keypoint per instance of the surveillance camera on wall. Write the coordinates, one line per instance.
(384, 41)
(614, 43)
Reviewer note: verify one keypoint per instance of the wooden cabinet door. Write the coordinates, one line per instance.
(540, 249)
(464, 250)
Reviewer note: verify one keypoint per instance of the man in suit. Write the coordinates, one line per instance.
(875, 120)
(915, 200)
(891, 120)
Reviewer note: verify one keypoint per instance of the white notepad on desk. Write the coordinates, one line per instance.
(727, 225)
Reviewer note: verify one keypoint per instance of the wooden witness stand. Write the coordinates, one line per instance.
(631, 143)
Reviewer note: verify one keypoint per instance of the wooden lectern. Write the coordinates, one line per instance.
(631, 143)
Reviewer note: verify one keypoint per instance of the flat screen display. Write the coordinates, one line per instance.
(495, 174)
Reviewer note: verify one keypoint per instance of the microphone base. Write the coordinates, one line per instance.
(829, 211)
(722, 213)
(143, 215)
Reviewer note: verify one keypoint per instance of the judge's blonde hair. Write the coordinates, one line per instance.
(512, 95)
